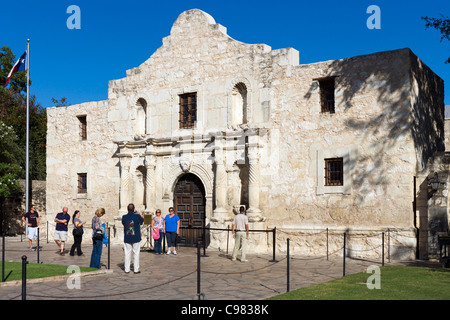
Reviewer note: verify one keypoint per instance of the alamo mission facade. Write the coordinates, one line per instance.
(209, 123)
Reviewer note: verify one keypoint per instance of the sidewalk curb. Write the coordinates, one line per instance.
(13, 283)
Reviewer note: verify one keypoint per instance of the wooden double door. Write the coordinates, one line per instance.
(189, 204)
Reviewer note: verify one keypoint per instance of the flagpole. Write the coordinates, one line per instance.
(27, 201)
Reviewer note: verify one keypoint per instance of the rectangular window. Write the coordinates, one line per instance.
(82, 183)
(327, 94)
(188, 110)
(334, 172)
(83, 127)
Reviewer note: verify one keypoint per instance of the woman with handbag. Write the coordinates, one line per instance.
(158, 231)
(97, 238)
(77, 233)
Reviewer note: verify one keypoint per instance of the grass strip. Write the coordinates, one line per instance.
(396, 283)
(13, 270)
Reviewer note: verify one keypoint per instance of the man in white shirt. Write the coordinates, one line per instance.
(240, 226)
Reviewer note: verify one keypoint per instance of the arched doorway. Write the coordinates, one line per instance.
(189, 203)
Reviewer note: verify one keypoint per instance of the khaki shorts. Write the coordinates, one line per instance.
(60, 235)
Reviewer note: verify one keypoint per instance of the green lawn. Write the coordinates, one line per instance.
(13, 270)
(396, 283)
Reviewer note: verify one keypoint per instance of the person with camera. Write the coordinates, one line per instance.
(77, 233)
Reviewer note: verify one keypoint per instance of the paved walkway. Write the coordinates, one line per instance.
(170, 277)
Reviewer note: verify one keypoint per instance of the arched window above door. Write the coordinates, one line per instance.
(141, 113)
(239, 104)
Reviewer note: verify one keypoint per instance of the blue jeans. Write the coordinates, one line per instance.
(96, 254)
(158, 243)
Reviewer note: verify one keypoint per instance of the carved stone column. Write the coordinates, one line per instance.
(253, 212)
(220, 211)
(150, 199)
(124, 192)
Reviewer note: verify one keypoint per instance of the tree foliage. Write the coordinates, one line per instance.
(13, 115)
(10, 155)
(442, 24)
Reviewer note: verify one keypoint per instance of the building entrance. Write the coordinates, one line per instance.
(189, 204)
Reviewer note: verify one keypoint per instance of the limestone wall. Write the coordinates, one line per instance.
(68, 155)
(14, 207)
(260, 138)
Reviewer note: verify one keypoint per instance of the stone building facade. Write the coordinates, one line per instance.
(209, 123)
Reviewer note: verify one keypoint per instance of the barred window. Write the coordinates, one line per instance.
(334, 172)
(188, 110)
(83, 127)
(82, 183)
(327, 94)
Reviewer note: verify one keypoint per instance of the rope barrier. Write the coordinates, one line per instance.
(116, 294)
(345, 247)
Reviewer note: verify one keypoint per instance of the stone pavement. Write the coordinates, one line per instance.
(170, 277)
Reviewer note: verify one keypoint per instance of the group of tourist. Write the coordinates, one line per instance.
(168, 227)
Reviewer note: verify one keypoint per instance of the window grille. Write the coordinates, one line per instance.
(82, 183)
(334, 172)
(188, 110)
(327, 95)
(83, 127)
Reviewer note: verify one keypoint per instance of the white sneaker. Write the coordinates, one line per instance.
(175, 252)
(168, 252)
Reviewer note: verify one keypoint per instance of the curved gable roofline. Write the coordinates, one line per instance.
(192, 19)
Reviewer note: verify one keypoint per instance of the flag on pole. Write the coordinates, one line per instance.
(18, 66)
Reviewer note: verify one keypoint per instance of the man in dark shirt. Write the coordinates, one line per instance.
(132, 222)
(31, 218)
(62, 220)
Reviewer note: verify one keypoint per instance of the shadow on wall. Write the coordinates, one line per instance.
(409, 105)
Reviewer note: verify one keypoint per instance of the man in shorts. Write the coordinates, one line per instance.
(62, 220)
(31, 218)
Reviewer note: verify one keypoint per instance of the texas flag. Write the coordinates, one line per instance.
(18, 66)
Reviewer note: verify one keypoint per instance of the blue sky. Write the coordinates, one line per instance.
(120, 35)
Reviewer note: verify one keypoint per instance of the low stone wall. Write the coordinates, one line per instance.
(399, 244)
(14, 207)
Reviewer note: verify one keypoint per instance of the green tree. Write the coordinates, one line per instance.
(442, 24)
(13, 112)
(18, 80)
(10, 168)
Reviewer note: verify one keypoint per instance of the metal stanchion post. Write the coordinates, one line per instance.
(37, 245)
(274, 239)
(287, 266)
(204, 242)
(343, 254)
(164, 242)
(24, 277)
(389, 245)
(228, 236)
(109, 248)
(198, 270)
(382, 248)
(327, 244)
(3, 257)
